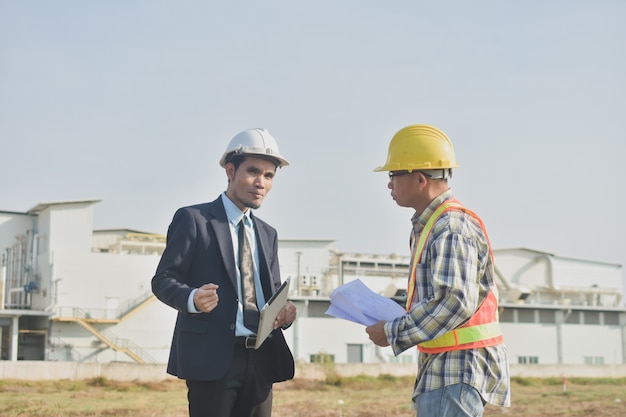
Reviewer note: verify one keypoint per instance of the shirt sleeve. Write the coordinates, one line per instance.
(191, 307)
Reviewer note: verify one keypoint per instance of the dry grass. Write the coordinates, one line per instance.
(345, 397)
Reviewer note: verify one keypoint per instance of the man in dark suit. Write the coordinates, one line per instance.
(199, 275)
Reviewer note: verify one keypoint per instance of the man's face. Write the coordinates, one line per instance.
(404, 188)
(250, 183)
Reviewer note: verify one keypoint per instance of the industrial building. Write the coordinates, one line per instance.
(71, 293)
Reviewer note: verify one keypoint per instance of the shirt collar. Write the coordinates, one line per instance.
(233, 213)
(419, 219)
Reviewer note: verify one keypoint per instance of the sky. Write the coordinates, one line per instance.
(133, 102)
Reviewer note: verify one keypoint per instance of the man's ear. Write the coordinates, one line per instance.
(230, 171)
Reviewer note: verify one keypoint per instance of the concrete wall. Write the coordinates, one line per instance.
(40, 370)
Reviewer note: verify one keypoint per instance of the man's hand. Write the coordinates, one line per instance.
(205, 299)
(377, 334)
(286, 316)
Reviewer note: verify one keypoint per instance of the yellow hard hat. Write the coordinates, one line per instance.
(418, 148)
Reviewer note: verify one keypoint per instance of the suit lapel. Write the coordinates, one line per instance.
(219, 223)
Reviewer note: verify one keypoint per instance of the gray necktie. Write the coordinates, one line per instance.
(250, 309)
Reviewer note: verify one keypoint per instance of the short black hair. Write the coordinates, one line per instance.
(237, 159)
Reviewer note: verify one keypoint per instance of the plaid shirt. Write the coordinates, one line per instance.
(455, 274)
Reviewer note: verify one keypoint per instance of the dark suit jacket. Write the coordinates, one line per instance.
(199, 250)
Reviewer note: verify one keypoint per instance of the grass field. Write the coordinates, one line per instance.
(345, 397)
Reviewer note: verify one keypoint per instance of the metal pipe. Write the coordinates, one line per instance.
(559, 335)
(15, 328)
(3, 274)
(9, 274)
(503, 279)
(549, 269)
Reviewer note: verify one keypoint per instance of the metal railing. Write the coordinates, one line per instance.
(89, 320)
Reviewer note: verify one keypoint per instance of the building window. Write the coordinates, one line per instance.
(594, 360)
(525, 316)
(318, 309)
(611, 319)
(573, 318)
(355, 353)
(322, 358)
(506, 315)
(547, 316)
(591, 317)
(523, 360)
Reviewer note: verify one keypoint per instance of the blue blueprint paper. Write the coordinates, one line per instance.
(355, 302)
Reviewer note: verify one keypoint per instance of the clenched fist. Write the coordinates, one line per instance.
(206, 298)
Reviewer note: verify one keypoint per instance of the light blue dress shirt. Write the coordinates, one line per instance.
(234, 216)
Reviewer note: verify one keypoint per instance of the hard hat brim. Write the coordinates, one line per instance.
(278, 160)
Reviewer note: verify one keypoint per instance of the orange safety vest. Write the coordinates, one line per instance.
(483, 328)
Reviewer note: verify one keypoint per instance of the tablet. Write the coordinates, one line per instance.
(269, 312)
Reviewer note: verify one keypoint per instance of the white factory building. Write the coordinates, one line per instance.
(71, 293)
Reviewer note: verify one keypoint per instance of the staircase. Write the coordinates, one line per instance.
(97, 323)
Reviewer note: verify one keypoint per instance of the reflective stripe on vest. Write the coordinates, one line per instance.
(483, 328)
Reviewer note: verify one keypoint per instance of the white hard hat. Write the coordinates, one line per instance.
(254, 142)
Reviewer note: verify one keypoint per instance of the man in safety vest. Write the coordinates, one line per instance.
(452, 299)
